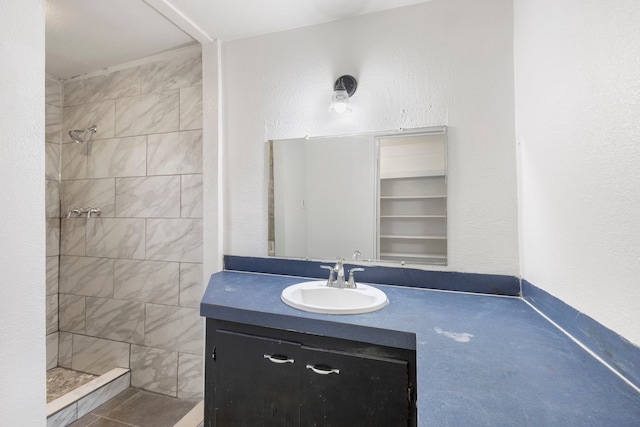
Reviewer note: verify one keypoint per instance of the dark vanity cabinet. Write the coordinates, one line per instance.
(257, 376)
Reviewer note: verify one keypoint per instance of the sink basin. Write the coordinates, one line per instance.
(317, 297)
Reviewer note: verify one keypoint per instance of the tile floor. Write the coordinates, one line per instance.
(137, 408)
(61, 381)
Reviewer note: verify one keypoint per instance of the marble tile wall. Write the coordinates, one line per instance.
(53, 126)
(131, 279)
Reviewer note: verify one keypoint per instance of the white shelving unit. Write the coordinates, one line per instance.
(412, 213)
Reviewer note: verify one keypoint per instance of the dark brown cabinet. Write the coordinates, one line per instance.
(264, 377)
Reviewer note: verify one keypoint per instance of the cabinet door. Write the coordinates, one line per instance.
(345, 390)
(256, 381)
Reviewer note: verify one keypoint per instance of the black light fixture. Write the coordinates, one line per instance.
(343, 89)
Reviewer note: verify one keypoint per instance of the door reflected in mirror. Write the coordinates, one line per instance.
(382, 194)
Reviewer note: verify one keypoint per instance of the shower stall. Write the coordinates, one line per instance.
(124, 223)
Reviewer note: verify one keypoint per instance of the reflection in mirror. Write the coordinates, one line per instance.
(382, 194)
(413, 199)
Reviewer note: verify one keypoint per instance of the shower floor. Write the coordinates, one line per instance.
(60, 381)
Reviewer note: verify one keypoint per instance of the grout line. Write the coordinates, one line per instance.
(194, 417)
(584, 347)
(113, 419)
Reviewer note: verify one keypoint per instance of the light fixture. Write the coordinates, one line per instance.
(343, 89)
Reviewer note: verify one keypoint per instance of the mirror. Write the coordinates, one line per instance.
(381, 194)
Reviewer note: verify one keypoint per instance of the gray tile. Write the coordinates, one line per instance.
(116, 84)
(116, 238)
(86, 276)
(146, 114)
(100, 114)
(103, 422)
(116, 320)
(65, 349)
(191, 285)
(175, 153)
(191, 108)
(52, 198)
(98, 356)
(73, 92)
(173, 328)
(103, 394)
(52, 349)
(85, 421)
(106, 408)
(146, 281)
(64, 417)
(52, 91)
(52, 313)
(191, 196)
(148, 197)
(53, 123)
(173, 73)
(73, 161)
(72, 236)
(52, 161)
(72, 313)
(118, 157)
(190, 376)
(154, 369)
(146, 409)
(53, 237)
(52, 274)
(85, 193)
(174, 240)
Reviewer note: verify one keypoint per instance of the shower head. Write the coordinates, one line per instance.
(82, 135)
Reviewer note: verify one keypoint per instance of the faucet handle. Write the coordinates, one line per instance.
(332, 278)
(351, 283)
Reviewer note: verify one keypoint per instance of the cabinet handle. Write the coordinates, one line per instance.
(276, 358)
(322, 370)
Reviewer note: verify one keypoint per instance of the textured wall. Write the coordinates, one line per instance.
(446, 62)
(22, 226)
(131, 279)
(578, 122)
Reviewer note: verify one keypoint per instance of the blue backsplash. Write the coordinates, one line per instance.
(614, 349)
(399, 276)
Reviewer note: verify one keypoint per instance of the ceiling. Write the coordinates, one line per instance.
(90, 35)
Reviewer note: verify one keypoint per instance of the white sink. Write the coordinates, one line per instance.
(317, 297)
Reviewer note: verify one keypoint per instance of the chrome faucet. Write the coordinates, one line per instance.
(76, 211)
(351, 283)
(339, 270)
(336, 276)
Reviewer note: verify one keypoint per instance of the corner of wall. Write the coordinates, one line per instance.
(615, 351)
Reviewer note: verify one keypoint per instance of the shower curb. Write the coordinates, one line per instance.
(79, 402)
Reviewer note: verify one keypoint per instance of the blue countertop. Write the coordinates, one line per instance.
(482, 360)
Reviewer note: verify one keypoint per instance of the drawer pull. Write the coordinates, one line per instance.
(277, 358)
(323, 370)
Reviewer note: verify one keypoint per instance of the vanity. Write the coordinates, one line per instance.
(442, 358)
(269, 376)
(267, 368)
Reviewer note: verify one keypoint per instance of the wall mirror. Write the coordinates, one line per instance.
(382, 194)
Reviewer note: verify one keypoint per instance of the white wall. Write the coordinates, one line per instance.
(22, 225)
(445, 62)
(578, 131)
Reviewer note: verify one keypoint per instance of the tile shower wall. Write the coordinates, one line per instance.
(131, 278)
(53, 123)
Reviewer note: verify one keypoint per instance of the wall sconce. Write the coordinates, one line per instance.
(343, 89)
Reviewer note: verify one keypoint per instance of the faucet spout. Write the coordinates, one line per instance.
(339, 270)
